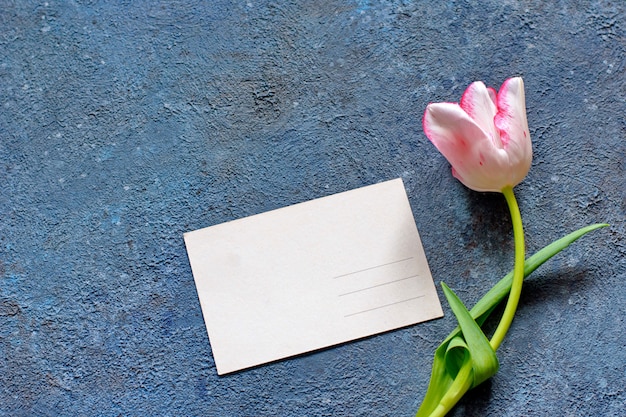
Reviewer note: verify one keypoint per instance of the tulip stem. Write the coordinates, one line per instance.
(518, 271)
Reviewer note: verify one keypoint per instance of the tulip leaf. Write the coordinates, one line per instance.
(440, 382)
(485, 306)
(448, 361)
(482, 355)
(456, 353)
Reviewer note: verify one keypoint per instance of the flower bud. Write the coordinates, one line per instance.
(485, 137)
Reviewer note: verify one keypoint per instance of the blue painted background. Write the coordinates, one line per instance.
(124, 124)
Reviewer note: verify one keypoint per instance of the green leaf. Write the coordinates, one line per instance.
(482, 355)
(444, 373)
(440, 382)
(485, 306)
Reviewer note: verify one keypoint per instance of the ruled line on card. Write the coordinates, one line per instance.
(383, 306)
(373, 267)
(377, 285)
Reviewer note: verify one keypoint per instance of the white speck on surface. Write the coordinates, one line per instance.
(572, 261)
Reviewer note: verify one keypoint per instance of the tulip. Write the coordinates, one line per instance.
(485, 137)
(486, 140)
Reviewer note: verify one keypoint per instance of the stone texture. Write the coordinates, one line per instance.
(125, 124)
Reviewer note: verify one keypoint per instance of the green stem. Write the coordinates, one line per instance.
(518, 271)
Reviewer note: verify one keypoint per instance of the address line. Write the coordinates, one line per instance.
(383, 306)
(372, 267)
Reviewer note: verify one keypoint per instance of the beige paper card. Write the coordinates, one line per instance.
(311, 275)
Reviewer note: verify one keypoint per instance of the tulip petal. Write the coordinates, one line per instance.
(447, 124)
(479, 102)
(452, 131)
(511, 121)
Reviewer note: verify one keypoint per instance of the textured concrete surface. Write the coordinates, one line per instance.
(124, 124)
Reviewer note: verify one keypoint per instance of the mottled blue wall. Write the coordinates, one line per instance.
(124, 124)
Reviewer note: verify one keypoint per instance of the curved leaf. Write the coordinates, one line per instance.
(442, 380)
(483, 357)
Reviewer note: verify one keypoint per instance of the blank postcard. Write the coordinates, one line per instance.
(311, 275)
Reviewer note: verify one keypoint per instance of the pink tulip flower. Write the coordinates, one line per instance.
(485, 137)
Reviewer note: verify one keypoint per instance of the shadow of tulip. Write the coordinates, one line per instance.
(490, 221)
(554, 286)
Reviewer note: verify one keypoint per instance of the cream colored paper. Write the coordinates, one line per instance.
(311, 275)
